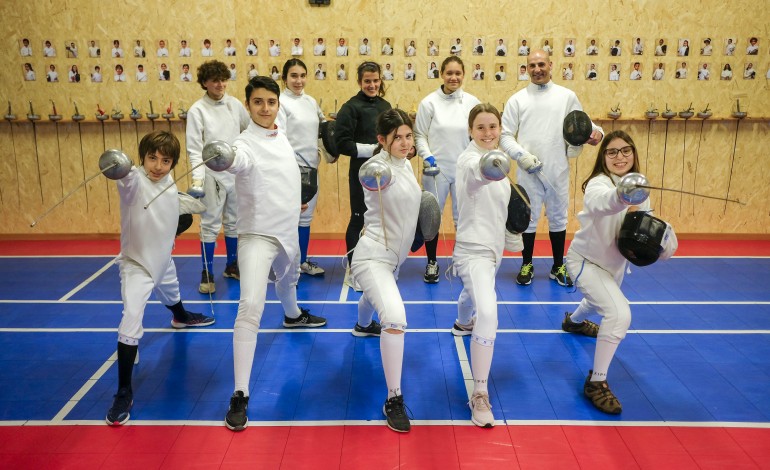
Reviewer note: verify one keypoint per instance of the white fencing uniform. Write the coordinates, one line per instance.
(375, 266)
(441, 130)
(478, 252)
(146, 241)
(594, 261)
(209, 120)
(299, 117)
(532, 123)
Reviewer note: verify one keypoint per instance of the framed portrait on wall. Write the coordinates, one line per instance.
(523, 75)
(730, 44)
(364, 48)
(73, 74)
(749, 72)
(409, 72)
(342, 47)
(433, 71)
(164, 74)
(706, 48)
(386, 48)
(387, 72)
(478, 46)
(614, 72)
(252, 49)
(184, 49)
(342, 73)
(410, 47)
(456, 47)
(567, 71)
(591, 73)
(501, 50)
(615, 49)
(25, 48)
(229, 49)
(636, 71)
(162, 49)
(139, 49)
(681, 71)
(683, 49)
(48, 49)
(500, 74)
(704, 72)
(523, 47)
(29, 72)
(592, 48)
(71, 49)
(659, 72)
(319, 72)
(569, 47)
(727, 72)
(753, 47)
(433, 49)
(478, 72)
(661, 47)
(638, 47)
(96, 74)
(319, 48)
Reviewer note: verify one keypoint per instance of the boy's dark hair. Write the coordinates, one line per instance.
(160, 141)
(261, 81)
(212, 70)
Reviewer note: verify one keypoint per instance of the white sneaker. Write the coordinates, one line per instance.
(350, 281)
(311, 268)
(481, 410)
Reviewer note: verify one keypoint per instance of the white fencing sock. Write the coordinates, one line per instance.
(392, 350)
(481, 362)
(244, 346)
(605, 351)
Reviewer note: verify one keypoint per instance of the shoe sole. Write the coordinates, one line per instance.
(312, 274)
(303, 325)
(118, 423)
(554, 278)
(459, 333)
(361, 334)
(480, 424)
(185, 325)
(232, 276)
(237, 428)
(523, 283)
(430, 281)
(391, 427)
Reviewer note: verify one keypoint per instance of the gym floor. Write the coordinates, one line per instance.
(693, 374)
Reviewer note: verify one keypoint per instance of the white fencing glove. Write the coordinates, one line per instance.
(529, 163)
(196, 189)
(365, 150)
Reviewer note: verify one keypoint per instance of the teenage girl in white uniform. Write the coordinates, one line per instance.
(440, 136)
(478, 252)
(596, 265)
(390, 221)
(299, 116)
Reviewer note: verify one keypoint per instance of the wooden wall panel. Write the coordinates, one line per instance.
(698, 155)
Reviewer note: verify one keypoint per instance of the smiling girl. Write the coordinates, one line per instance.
(478, 252)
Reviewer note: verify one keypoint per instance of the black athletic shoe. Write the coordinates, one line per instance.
(232, 271)
(431, 273)
(395, 410)
(560, 275)
(121, 407)
(236, 419)
(524, 278)
(373, 329)
(304, 320)
(192, 320)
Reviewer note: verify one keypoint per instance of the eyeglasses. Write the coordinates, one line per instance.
(626, 151)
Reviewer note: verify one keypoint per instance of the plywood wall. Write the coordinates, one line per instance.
(720, 156)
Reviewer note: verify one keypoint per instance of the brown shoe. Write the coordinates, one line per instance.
(586, 327)
(601, 396)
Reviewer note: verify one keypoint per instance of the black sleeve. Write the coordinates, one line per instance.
(345, 130)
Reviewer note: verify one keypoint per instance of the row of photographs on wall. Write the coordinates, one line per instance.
(567, 71)
(342, 47)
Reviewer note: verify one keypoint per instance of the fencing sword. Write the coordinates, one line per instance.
(633, 188)
(10, 117)
(32, 118)
(114, 164)
(55, 118)
(217, 155)
(77, 117)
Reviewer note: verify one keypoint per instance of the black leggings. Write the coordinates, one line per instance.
(357, 206)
